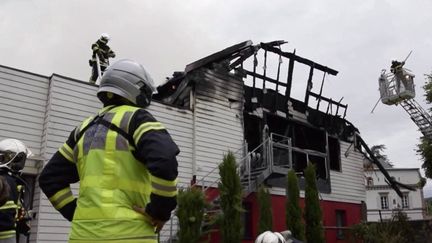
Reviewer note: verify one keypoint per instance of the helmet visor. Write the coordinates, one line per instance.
(6, 156)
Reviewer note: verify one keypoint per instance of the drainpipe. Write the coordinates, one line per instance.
(193, 109)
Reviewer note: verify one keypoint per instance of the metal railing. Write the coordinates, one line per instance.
(260, 158)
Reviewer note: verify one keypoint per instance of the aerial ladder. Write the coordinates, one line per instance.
(397, 87)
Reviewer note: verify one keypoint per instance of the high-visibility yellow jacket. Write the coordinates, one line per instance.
(126, 159)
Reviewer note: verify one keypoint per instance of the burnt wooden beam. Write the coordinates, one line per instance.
(218, 56)
(277, 84)
(379, 165)
(327, 99)
(289, 83)
(299, 59)
(309, 85)
(256, 75)
(321, 89)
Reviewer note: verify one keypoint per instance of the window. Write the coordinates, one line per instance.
(384, 201)
(405, 203)
(334, 154)
(340, 224)
(247, 221)
(369, 181)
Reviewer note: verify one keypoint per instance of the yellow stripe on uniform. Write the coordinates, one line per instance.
(67, 152)
(7, 234)
(145, 127)
(9, 205)
(163, 187)
(61, 198)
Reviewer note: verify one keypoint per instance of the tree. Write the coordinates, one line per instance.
(293, 210)
(230, 190)
(378, 152)
(265, 221)
(190, 212)
(424, 149)
(425, 152)
(313, 214)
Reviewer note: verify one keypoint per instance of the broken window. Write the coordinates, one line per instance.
(320, 166)
(334, 154)
(309, 138)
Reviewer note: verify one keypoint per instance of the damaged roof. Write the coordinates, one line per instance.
(230, 61)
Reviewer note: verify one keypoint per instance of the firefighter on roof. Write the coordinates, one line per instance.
(125, 161)
(13, 215)
(102, 51)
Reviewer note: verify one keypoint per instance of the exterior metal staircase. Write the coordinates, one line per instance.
(419, 116)
(254, 168)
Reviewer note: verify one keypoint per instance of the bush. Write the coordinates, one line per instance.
(313, 214)
(293, 211)
(230, 190)
(190, 212)
(265, 221)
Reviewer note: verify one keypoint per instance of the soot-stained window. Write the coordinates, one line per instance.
(334, 154)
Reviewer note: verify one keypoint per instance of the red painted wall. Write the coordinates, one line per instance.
(352, 212)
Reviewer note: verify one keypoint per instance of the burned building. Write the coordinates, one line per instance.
(239, 100)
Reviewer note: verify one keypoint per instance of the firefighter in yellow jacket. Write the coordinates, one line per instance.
(125, 161)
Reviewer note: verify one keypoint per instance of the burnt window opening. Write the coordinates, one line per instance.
(299, 162)
(320, 166)
(334, 154)
(309, 138)
(253, 130)
(281, 156)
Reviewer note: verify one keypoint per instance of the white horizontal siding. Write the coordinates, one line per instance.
(348, 185)
(23, 98)
(71, 102)
(219, 128)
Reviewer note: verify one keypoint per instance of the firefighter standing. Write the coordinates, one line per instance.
(13, 154)
(396, 66)
(125, 161)
(103, 52)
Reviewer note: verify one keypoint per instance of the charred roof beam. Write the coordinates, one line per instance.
(299, 59)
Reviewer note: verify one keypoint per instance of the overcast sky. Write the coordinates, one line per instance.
(357, 38)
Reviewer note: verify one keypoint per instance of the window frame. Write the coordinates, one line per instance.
(405, 200)
(384, 196)
(341, 222)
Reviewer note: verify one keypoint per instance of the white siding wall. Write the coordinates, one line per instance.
(347, 185)
(218, 122)
(70, 102)
(23, 98)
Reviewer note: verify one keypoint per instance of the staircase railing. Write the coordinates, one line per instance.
(260, 158)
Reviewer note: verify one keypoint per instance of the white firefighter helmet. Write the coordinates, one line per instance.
(13, 154)
(105, 37)
(128, 79)
(270, 237)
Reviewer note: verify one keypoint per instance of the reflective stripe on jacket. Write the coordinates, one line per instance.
(112, 180)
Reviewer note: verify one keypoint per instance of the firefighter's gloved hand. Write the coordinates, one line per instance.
(158, 224)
